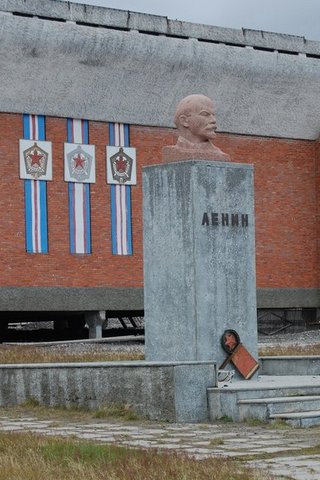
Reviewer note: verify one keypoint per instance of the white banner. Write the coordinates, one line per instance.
(35, 160)
(79, 163)
(121, 165)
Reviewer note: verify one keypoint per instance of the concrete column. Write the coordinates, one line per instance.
(95, 321)
(199, 259)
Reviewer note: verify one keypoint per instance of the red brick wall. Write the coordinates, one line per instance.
(285, 197)
(286, 207)
(317, 167)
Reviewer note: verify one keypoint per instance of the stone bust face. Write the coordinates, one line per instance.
(196, 123)
(195, 119)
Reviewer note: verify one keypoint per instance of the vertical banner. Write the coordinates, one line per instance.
(120, 193)
(79, 173)
(35, 162)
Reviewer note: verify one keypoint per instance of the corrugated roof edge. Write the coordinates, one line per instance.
(95, 16)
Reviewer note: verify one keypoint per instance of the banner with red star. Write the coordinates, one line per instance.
(79, 163)
(121, 165)
(35, 160)
(35, 169)
(79, 173)
(121, 173)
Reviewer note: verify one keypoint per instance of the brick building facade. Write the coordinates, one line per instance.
(65, 60)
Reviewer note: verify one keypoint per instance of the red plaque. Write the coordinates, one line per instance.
(238, 354)
(244, 362)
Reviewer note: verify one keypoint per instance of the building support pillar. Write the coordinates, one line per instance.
(95, 321)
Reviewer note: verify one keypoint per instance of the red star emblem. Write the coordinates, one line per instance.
(78, 161)
(230, 341)
(36, 157)
(121, 164)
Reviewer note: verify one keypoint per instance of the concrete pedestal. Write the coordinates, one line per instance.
(199, 259)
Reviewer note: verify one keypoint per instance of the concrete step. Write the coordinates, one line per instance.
(263, 408)
(307, 418)
(272, 386)
(290, 365)
(266, 396)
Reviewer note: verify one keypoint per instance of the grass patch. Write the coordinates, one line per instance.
(31, 403)
(10, 354)
(119, 411)
(279, 424)
(225, 419)
(32, 408)
(33, 457)
(254, 422)
(89, 453)
(215, 442)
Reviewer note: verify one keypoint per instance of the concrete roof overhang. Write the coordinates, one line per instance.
(134, 68)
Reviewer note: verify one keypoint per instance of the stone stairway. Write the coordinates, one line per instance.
(294, 399)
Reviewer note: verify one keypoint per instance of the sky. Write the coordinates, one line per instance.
(292, 17)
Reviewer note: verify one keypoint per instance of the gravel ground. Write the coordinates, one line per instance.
(136, 344)
(133, 345)
(309, 337)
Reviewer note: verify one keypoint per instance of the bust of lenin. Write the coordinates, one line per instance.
(196, 123)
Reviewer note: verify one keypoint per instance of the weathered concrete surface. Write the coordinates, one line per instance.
(17, 299)
(70, 298)
(174, 392)
(128, 20)
(266, 396)
(290, 365)
(199, 279)
(288, 297)
(101, 65)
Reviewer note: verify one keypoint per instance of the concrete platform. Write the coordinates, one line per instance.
(299, 419)
(292, 365)
(167, 391)
(266, 382)
(294, 399)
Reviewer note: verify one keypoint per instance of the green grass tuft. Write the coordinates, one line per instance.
(122, 411)
(34, 457)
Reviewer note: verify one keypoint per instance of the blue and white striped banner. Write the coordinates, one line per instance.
(35, 193)
(120, 198)
(79, 195)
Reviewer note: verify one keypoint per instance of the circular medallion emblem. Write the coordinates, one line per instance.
(230, 340)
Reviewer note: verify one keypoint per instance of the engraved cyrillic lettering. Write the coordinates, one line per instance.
(225, 219)
(214, 219)
(234, 219)
(244, 220)
(205, 219)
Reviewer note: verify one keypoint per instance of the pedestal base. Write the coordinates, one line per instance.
(199, 259)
